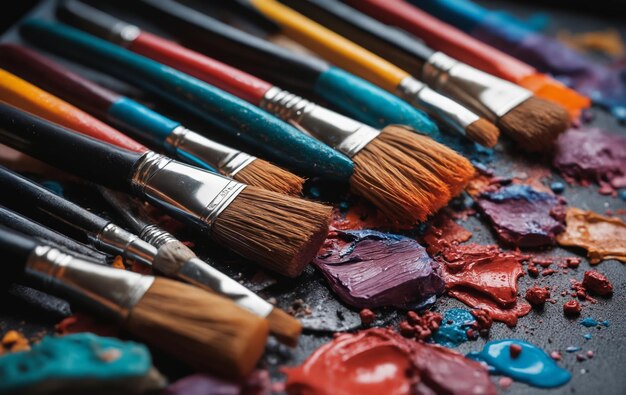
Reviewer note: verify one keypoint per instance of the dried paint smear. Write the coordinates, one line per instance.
(603, 237)
(372, 269)
(380, 361)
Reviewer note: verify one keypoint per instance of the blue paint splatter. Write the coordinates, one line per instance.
(519, 192)
(588, 336)
(605, 323)
(557, 187)
(532, 366)
(454, 325)
(572, 349)
(589, 322)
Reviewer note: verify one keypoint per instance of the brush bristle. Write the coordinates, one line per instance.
(265, 175)
(483, 132)
(284, 327)
(171, 257)
(535, 124)
(206, 331)
(282, 233)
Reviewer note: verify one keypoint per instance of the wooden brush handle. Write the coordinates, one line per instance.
(21, 94)
(330, 45)
(75, 153)
(230, 79)
(24, 195)
(15, 248)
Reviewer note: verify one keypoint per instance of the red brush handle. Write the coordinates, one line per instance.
(227, 78)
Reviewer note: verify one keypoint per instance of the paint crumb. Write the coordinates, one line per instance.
(572, 349)
(110, 355)
(367, 317)
(555, 355)
(515, 350)
(572, 308)
(588, 336)
(299, 309)
(14, 341)
(537, 296)
(557, 187)
(597, 283)
(118, 262)
(505, 382)
(483, 321)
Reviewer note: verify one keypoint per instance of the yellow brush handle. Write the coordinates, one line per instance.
(335, 48)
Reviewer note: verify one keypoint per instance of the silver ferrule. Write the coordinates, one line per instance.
(485, 94)
(342, 133)
(187, 192)
(156, 236)
(438, 106)
(117, 241)
(110, 291)
(200, 151)
(202, 275)
(123, 34)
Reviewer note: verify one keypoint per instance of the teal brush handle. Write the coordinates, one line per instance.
(276, 140)
(370, 104)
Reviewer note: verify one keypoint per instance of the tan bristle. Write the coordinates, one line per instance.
(171, 257)
(535, 124)
(207, 332)
(284, 327)
(265, 175)
(454, 170)
(404, 190)
(282, 233)
(483, 132)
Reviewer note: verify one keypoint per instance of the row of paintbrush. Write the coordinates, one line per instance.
(407, 175)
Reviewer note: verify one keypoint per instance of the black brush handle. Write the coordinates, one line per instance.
(75, 153)
(23, 195)
(242, 49)
(15, 248)
(31, 228)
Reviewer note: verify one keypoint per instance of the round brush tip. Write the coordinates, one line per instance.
(483, 132)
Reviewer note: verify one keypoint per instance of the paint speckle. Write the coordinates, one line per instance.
(367, 317)
(537, 296)
(454, 326)
(572, 349)
(597, 283)
(557, 187)
(572, 308)
(531, 365)
(588, 336)
(589, 322)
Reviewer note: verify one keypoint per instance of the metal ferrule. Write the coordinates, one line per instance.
(342, 133)
(202, 275)
(113, 292)
(117, 241)
(440, 107)
(123, 33)
(487, 95)
(198, 149)
(189, 193)
(156, 236)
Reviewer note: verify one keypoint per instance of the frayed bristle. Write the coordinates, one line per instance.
(206, 331)
(454, 170)
(171, 257)
(265, 175)
(404, 190)
(284, 327)
(535, 124)
(483, 132)
(280, 232)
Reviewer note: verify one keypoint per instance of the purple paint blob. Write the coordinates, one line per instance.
(201, 384)
(592, 155)
(369, 269)
(523, 216)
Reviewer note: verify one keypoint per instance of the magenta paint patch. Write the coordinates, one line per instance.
(522, 216)
(369, 269)
(592, 155)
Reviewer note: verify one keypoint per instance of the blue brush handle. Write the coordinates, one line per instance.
(461, 13)
(369, 104)
(275, 139)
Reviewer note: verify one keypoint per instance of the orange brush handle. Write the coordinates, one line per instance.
(19, 93)
(335, 48)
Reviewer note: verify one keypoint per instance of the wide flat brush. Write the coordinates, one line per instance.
(532, 122)
(276, 140)
(280, 232)
(353, 96)
(463, 47)
(408, 176)
(25, 225)
(144, 123)
(185, 264)
(373, 68)
(203, 330)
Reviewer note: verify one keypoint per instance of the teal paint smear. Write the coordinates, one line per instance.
(452, 331)
(370, 104)
(276, 140)
(73, 357)
(532, 366)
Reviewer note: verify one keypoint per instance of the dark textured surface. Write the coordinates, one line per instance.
(548, 329)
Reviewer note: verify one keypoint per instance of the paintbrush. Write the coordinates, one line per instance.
(532, 122)
(24, 225)
(392, 166)
(353, 96)
(206, 331)
(377, 70)
(144, 123)
(280, 232)
(468, 49)
(278, 141)
(185, 264)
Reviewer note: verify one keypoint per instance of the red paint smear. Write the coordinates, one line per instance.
(443, 233)
(80, 322)
(362, 215)
(380, 361)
